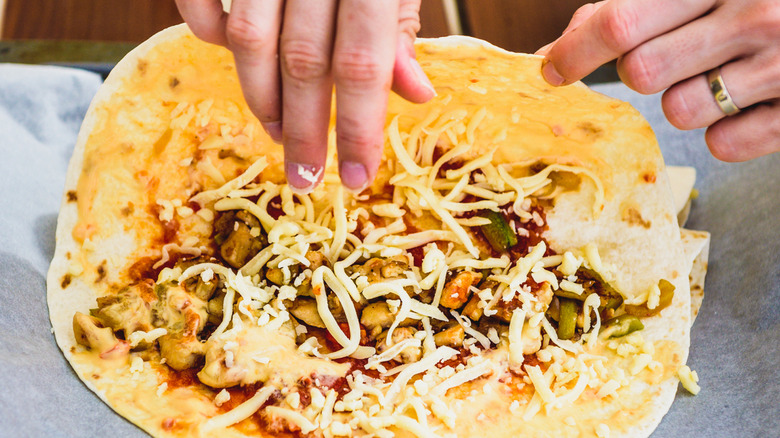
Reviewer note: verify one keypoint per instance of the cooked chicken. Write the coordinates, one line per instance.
(126, 311)
(457, 291)
(379, 269)
(409, 354)
(305, 309)
(233, 233)
(91, 333)
(451, 337)
(184, 316)
(181, 352)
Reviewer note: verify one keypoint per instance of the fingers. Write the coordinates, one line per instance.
(205, 18)
(690, 104)
(305, 58)
(613, 30)
(409, 79)
(750, 134)
(682, 53)
(363, 59)
(288, 56)
(583, 13)
(252, 31)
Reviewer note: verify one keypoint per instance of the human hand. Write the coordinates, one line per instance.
(289, 55)
(672, 45)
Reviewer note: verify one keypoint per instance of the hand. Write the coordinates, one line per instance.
(672, 44)
(289, 55)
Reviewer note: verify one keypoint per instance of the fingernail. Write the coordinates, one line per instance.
(274, 130)
(302, 178)
(353, 175)
(550, 74)
(421, 76)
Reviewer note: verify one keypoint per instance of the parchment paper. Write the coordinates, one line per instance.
(735, 341)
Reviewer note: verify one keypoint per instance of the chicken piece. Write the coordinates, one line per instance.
(458, 290)
(544, 296)
(178, 311)
(214, 308)
(451, 337)
(409, 354)
(472, 309)
(233, 234)
(184, 316)
(206, 289)
(376, 317)
(195, 285)
(275, 276)
(181, 351)
(91, 333)
(126, 311)
(305, 309)
(316, 259)
(378, 269)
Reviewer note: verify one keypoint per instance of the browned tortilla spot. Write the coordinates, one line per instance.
(633, 217)
(101, 272)
(66, 279)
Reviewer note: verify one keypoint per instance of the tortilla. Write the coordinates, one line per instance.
(168, 149)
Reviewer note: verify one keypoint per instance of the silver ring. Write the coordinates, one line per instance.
(721, 93)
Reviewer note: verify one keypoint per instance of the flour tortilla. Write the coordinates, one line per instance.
(635, 230)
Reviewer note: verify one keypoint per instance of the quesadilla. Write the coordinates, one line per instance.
(516, 269)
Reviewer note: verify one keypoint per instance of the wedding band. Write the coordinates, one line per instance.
(721, 93)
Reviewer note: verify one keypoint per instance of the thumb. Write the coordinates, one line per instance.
(581, 15)
(409, 79)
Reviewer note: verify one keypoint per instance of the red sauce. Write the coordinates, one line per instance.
(143, 269)
(535, 234)
(275, 207)
(170, 228)
(417, 255)
(458, 359)
(183, 379)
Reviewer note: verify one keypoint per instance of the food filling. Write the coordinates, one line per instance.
(351, 313)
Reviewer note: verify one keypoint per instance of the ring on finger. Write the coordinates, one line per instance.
(721, 93)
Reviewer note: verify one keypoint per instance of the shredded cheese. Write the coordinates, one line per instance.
(240, 412)
(245, 178)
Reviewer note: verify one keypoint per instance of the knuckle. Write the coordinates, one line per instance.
(641, 72)
(303, 61)
(763, 20)
(356, 135)
(245, 34)
(357, 65)
(617, 28)
(409, 17)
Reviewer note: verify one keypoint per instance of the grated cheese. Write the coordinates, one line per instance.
(245, 178)
(240, 412)
(689, 379)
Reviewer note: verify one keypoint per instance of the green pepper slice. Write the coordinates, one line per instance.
(607, 302)
(568, 318)
(623, 325)
(667, 294)
(498, 232)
